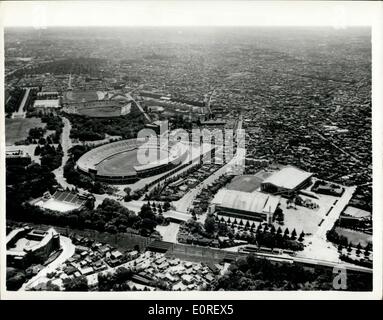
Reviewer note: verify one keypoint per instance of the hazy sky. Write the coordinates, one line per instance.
(186, 13)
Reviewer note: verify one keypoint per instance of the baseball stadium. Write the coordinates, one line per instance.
(97, 104)
(117, 162)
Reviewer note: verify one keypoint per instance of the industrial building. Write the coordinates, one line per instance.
(286, 181)
(257, 206)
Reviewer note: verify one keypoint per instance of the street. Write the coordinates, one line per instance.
(66, 144)
(68, 251)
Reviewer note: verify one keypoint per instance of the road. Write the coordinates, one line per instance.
(334, 214)
(339, 148)
(142, 110)
(68, 250)
(66, 144)
(21, 113)
(318, 247)
(70, 82)
(313, 261)
(186, 201)
(194, 155)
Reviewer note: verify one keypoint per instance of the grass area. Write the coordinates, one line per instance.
(122, 163)
(108, 111)
(246, 183)
(18, 129)
(78, 96)
(354, 236)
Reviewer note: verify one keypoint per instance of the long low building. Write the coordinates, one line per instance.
(257, 206)
(286, 181)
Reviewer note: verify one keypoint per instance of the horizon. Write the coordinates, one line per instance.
(40, 14)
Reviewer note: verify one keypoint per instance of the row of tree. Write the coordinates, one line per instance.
(252, 274)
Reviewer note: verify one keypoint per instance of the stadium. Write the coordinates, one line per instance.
(117, 162)
(97, 104)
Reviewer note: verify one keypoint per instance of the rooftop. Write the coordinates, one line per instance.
(288, 177)
(254, 202)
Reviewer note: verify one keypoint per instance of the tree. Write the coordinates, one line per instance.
(358, 249)
(210, 224)
(166, 206)
(286, 233)
(301, 237)
(293, 235)
(37, 150)
(76, 284)
(89, 203)
(281, 218)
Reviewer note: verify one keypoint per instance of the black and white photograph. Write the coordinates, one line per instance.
(172, 148)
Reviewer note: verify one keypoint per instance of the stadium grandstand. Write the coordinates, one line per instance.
(61, 200)
(117, 162)
(97, 104)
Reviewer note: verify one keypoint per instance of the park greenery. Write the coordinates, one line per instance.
(90, 129)
(251, 273)
(75, 65)
(12, 105)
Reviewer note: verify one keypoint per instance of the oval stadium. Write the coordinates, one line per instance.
(117, 162)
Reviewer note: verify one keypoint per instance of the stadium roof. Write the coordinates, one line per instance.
(288, 177)
(46, 103)
(246, 201)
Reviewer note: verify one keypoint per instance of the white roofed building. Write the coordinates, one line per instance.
(255, 205)
(287, 180)
(46, 105)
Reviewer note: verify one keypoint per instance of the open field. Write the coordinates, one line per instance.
(79, 96)
(17, 129)
(354, 236)
(101, 112)
(119, 164)
(246, 183)
(123, 163)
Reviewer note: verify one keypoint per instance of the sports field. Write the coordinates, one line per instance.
(60, 206)
(123, 163)
(17, 129)
(79, 96)
(101, 112)
(247, 183)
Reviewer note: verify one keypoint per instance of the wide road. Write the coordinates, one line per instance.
(66, 144)
(68, 250)
(21, 113)
(142, 110)
(318, 247)
(334, 214)
(311, 261)
(353, 157)
(186, 201)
